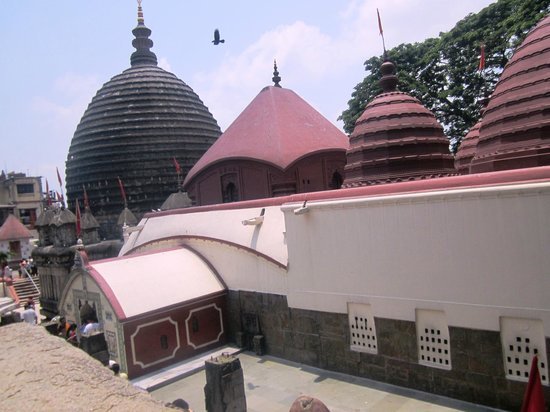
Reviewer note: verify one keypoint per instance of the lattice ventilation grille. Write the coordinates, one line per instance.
(521, 340)
(432, 335)
(361, 328)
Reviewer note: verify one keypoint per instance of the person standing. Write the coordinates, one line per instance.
(22, 268)
(6, 272)
(29, 315)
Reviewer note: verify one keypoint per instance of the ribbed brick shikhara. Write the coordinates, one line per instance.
(467, 150)
(396, 139)
(134, 128)
(515, 132)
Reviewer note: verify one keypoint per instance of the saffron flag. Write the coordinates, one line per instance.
(533, 399)
(122, 192)
(482, 59)
(58, 177)
(379, 23)
(86, 200)
(177, 166)
(77, 212)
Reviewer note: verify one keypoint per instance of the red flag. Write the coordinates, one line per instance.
(86, 200)
(58, 177)
(533, 399)
(379, 23)
(48, 198)
(77, 219)
(482, 58)
(122, 192)
(177, 166)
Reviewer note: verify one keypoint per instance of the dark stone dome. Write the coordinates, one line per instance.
(134, 128)
(396, 139)
(467, 150)
(515, 132)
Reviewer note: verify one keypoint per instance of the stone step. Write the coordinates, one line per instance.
(25, 289)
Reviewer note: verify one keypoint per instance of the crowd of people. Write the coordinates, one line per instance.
(26, 267)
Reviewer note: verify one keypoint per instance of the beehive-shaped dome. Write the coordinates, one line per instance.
(467, 150)
(396, 139)
(134, 127)
(515, 132)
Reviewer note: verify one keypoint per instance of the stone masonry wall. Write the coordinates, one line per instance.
(322, 340)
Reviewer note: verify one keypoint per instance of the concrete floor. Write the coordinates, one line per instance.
(272, 384)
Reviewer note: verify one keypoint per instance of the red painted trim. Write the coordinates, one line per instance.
(104, 286)
(507, 177)
(219, 163)
(207, 263)
(179, 305)
(212, 239)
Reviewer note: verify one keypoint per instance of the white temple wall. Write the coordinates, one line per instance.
(83, 287)
(241, 269)
(226, 225)
(476, 254)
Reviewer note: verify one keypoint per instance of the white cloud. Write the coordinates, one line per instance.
(305, 56)
(318, 66)
(57, 119)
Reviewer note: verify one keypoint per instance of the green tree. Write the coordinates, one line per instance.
(443, 72)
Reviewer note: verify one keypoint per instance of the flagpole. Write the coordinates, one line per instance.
(481, 69)
(78, 219)
(381, 34)
(61, 187)
(178, 171)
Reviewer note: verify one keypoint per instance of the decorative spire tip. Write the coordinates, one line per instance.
(276, 78)
(141, 20)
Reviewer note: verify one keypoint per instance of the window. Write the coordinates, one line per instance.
(336, 182)
(432, 334)
(164, 342)
(194, 324)
(361, 328)
(230, 193)
(25, 188)
(521, 340)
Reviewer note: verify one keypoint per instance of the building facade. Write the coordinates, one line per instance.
(20, 195)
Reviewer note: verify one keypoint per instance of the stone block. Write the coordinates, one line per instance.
(397, 372)
(369, 371)
(303, 322)
(240, 340)
(93, 343)
(258, 344)
(224, 389)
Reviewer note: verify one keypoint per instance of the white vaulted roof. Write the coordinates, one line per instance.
(142, 283)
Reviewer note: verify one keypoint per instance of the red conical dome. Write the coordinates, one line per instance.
(467, 150)
(396, 139)
(516, 125)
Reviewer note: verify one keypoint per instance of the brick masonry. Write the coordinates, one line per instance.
(322, 340)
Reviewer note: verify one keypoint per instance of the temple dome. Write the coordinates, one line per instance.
(134, 128)
(467, 150)
(396, 139)
(278, 127)
(516, 125)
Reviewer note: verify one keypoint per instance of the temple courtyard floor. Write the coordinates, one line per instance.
(272, 384)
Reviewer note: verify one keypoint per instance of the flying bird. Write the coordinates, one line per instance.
(217, 40)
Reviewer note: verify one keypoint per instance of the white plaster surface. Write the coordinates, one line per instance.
(147, 282)
(223, 225)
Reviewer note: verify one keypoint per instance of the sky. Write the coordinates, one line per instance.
(57, 54)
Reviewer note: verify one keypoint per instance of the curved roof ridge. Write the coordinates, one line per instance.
(13, 229)
(277, 127)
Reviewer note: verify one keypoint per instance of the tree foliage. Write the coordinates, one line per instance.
(443, 72)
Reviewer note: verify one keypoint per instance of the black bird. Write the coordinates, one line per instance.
(217, 40)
